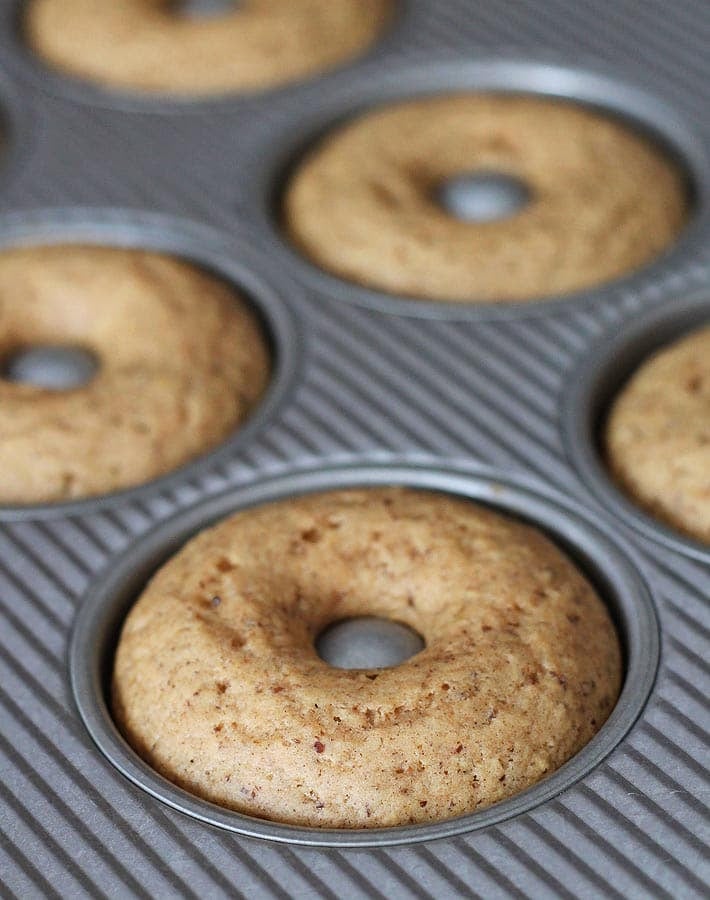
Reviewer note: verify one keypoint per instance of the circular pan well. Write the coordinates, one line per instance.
(605, 562)
(602, 374)
(66, 85)
(339, 101)
(204, 247)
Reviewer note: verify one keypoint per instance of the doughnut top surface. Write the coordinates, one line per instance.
(658, 435)
(600, 200)
(218, 686)
(147, 45)
(181, 362)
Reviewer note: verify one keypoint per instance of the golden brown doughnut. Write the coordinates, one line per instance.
(603, 199)
(182, 363)
(658, 435)
(218, 686)
(145, 45)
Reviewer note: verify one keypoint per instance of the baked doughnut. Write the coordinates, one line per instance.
(218, 686)
(182, 361)
(658, 435)
(146, 45)
(603, 200)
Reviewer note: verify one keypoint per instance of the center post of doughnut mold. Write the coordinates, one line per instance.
(482, 196)
(50, 366)
(203, 9)
(368, 642)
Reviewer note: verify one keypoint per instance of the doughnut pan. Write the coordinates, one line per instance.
(500, 404)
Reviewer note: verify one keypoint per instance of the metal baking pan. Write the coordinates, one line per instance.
(496, 403)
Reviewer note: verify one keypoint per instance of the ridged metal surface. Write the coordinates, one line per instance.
(372, 387)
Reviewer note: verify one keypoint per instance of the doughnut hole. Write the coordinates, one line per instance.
(53, 367)
(368, 642)
(482, 196)
(203, 9)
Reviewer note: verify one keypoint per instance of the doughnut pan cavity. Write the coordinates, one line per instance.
(495, 403)
(608, 365)
(614, 575)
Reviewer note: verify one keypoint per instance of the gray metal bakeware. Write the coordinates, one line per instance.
(498, 403)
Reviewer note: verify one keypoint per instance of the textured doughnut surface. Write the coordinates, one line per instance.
(604, 200)
(147, 45)
(182, 362)
(658, 435)
(218, 686)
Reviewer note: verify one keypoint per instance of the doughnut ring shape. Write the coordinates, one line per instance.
(182, 361)
(218, 686)
(604, 200)
(146, 45)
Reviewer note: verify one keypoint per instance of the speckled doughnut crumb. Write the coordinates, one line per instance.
(604, 200)
(182, 361)
(217, 684)
(657, 436)
(146, 45)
